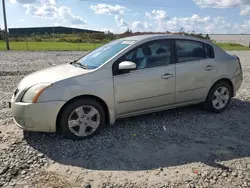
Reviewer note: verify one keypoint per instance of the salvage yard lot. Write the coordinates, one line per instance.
(185, 147)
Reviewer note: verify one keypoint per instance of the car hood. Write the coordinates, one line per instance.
(51, 75)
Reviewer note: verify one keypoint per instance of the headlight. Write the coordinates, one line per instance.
(32, 94)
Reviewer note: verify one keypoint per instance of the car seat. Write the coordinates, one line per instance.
(198, 52)
(146, 52)
(161, 51)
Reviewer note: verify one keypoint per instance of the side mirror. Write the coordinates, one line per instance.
(127, 65)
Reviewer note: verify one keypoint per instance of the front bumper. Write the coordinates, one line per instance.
(40, 117)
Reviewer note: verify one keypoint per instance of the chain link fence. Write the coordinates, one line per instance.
(87, 42)
(70, 42)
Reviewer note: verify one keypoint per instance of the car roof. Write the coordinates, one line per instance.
(164, 36)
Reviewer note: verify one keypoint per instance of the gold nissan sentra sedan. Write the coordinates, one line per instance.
(126, 77)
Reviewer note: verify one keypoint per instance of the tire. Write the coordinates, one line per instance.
(213, 101)
(74, 121)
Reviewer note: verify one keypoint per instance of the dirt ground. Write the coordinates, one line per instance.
(184, 147)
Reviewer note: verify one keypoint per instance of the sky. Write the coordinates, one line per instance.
(199, 16)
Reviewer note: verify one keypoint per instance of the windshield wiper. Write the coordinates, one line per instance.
(79, 64)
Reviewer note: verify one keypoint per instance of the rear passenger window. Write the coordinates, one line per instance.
(189, 50)
(209, 52)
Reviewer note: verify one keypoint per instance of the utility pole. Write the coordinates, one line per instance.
(6, 28)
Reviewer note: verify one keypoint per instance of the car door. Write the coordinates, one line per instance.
(152, 84)
(195, 70)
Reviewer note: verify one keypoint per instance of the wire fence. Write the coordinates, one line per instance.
(86, 42)
(71, 42)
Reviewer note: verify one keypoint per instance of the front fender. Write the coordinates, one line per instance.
(102, 89)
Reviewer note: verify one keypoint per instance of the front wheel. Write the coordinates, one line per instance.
(82, 119)
(218, 97)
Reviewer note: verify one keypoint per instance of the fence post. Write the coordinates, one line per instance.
(27, 45)
(249, 44)
(78, 45)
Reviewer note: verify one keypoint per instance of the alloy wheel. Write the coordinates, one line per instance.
(221, 97)
(84, 120)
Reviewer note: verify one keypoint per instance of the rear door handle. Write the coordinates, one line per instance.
(167, 76)
(209, 67)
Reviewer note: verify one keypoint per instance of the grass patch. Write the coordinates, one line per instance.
(232, 46)
(85, 46)
(39, 46)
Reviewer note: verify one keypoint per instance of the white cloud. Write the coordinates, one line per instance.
(47, 11)
(136, 24)
(158, 15)
(12, 1)
(65, 13)
(147, 25)
(140, 26)
(23, 1)
(245, 10)
(243, 4)
(21, 20)
(243, 28)
(199, 24)
(108, 9)
(30, 9)
(51, 2)
(221, 3)
(195, 19)
(120, 21)
(195, 23)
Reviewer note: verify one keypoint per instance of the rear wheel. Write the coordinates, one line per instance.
(219, 97)
(82, 119)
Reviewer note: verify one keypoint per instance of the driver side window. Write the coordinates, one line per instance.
(152, 54)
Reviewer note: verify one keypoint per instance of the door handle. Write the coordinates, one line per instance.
(167, 76)
(209, 67)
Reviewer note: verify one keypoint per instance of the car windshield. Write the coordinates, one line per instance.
(99, 56)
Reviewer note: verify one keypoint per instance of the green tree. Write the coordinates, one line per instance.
(207, 37)
(1, 34)
(128, 31)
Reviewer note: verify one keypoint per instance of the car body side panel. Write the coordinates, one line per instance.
(99, 84)
(192, 80)
(143, 89)
(227, 68)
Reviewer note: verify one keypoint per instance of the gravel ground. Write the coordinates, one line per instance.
(184, 147)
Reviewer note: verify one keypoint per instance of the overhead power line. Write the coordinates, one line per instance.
(130, 3)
